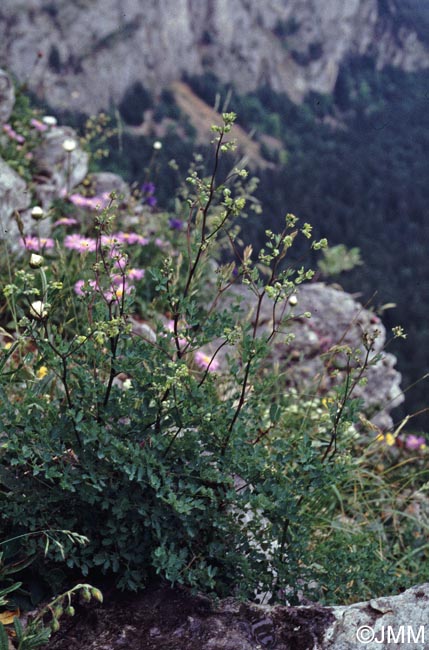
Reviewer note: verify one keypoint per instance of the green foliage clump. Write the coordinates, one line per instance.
(140, 409)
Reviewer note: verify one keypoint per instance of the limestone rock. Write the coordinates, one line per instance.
(388, 623)
(14, 198)
(102, 182)
(7, 96)
(86, 55)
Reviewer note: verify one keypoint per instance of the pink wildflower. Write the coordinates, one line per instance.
(81, 244)
(65, 221)
(13, 135)
(109, 240)
(100, 201)
(135, 274)
(117, 279)
(121, 261)
(131, 238)
(79, 200)
(37, 243)
(78, 287)
(205, 361)
(116, 293)
(413, 442)
(38, 125)
(91, 202)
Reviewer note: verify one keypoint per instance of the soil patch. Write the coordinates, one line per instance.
(171, 619)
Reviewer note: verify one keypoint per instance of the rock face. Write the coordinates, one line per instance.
(164, 619)
(84, 55)
(14, 197)
(102, 182)
(7, 96)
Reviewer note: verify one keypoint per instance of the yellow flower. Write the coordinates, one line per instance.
(42, 372)
(388, 438)
(326, 401)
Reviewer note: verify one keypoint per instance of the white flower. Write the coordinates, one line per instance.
(127, 384)
(36, 261)
(38, 310)
(49, 120)
(69, 145)
(293, 300)
(37, 213)
(157, 145)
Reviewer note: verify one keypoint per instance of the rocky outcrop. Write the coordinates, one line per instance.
(164, 619)
(106, 182)
(7, 96)
(14, 198)
(85, 55)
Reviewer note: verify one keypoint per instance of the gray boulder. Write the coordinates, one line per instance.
(7, 96)
(387, 623)
(14, 198)
(102, 182)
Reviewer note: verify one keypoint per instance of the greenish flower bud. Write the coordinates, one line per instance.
(96, 593)
(86, 595)
(55, 625)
